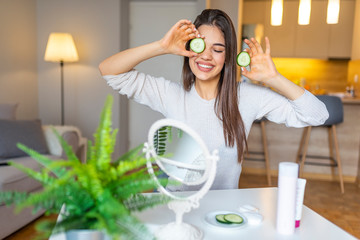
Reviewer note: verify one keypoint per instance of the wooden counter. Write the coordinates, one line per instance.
(283, 144)
(351, 100)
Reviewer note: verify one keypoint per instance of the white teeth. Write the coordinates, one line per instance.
(205, 66)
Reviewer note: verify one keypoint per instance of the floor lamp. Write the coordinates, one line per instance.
(61, 48)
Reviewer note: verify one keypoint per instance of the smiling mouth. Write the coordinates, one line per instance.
(205, 66)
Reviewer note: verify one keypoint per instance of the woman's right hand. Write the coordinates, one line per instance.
(173, 42)
(176, 38)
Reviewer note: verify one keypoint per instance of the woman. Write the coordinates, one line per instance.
(211, 101)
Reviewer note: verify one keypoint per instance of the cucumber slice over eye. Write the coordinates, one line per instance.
(197, 45)
(233, 218)
(243, 59)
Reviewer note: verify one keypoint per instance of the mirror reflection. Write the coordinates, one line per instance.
(180, 157)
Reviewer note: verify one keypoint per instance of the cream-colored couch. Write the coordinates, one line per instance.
(13, 179)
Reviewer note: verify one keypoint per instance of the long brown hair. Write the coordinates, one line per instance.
(226, 102)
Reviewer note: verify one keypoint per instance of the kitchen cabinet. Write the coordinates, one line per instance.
(340, 40)
(313, 40)
(316, 40)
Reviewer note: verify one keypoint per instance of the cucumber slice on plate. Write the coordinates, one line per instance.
(220, 218)
(229, 218)
(243, 59)
(197, 45)
(226, 219)
(233, 218)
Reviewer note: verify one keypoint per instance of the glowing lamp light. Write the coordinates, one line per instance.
(304, 12)
(61, 48)
(276, 12)
(333, 10)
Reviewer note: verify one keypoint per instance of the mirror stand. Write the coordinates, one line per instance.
(179, 230)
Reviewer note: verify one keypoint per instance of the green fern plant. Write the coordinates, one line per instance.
(99, 194)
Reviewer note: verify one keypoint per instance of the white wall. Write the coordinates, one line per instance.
(231, 7)
(150, 21)
(95, 26)
(18, 73)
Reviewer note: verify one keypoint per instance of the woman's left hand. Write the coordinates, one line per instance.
(263, 70)
(262, 66)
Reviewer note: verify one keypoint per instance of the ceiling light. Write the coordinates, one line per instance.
(276, 12)
(333, 10)
(304, 12)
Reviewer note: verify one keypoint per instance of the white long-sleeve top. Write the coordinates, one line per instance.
(255, 102)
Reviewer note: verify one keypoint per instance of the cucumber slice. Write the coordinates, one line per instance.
(220, 218)
(233, 218)
(243, 59)
(197, 45)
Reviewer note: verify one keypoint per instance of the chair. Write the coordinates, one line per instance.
(336, 115)
(253, 155)
(358, 172)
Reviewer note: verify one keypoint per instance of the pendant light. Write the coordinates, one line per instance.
(304, 12)
(333, 10)
(276, 12)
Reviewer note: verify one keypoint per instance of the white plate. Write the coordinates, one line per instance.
(210, 219)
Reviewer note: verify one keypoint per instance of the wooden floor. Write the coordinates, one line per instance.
(321, 196)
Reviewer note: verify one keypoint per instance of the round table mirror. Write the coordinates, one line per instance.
(185, 161)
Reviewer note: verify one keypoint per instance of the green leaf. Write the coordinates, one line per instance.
(103, 138)
(13, 197)
(131, 155)
(141, 202)
(42, 177)
(136, 186)
(66, 147)
(43, 160)
(126, 166)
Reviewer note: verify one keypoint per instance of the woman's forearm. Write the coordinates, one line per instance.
(285, 87)
(172, 43)
(126, 60)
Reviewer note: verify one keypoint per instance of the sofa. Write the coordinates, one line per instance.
(38, 137)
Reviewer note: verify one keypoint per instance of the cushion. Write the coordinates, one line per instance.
(8, 111)
(27, 132)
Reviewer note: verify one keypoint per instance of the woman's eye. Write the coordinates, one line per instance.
(218, 51)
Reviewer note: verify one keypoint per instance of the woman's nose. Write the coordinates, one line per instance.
(206, 54)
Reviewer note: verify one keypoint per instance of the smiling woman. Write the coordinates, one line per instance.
(211, 101)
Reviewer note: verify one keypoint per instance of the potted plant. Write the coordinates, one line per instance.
(99, 195)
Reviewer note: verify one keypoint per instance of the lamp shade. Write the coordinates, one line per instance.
(61, 48)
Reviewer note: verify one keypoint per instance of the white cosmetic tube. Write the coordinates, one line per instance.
(287, 181)
(300, 190)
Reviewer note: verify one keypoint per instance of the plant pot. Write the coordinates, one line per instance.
(85, 234)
